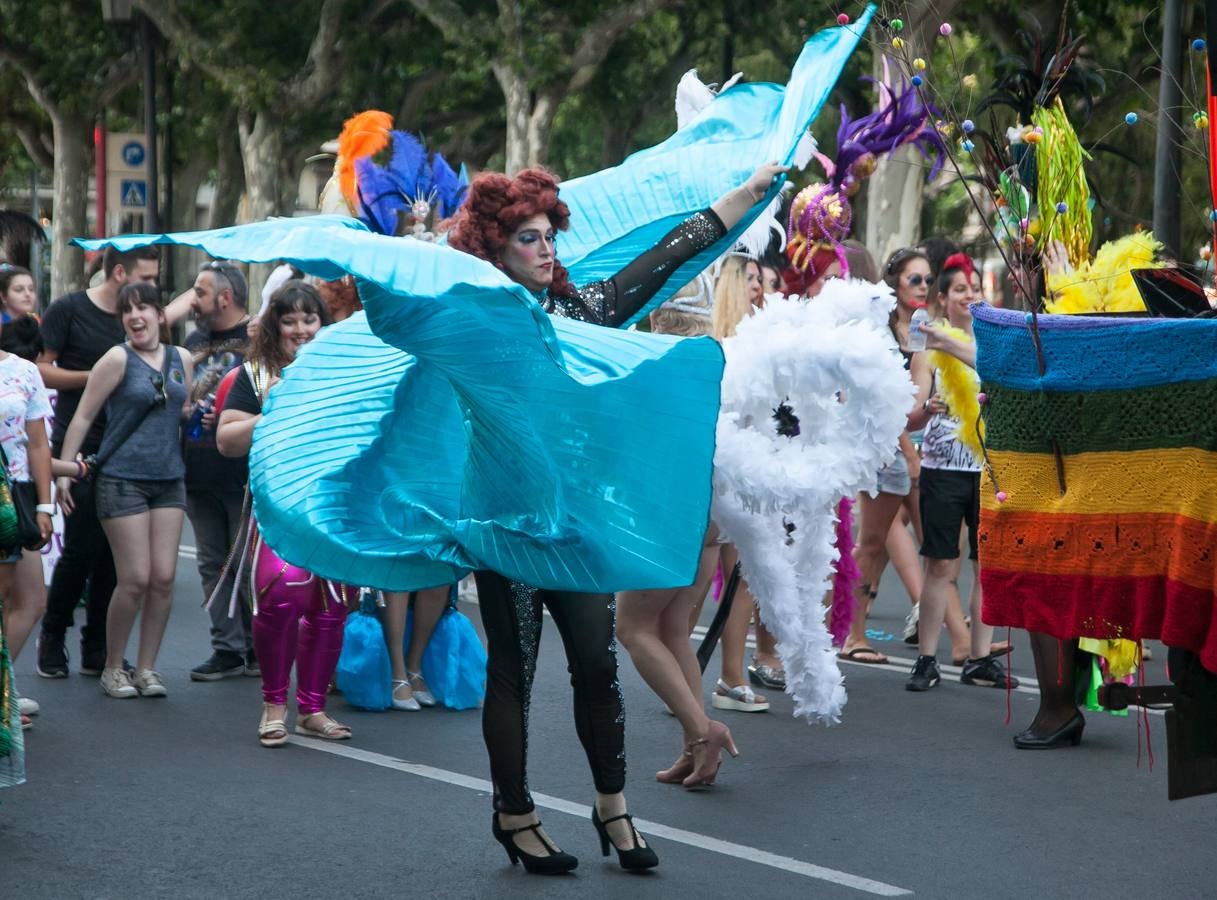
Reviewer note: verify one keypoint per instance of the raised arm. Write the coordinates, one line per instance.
(614, 301)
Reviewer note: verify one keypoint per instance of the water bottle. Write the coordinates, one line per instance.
(916, 341)
(194, 428)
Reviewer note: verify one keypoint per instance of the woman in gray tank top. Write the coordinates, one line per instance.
(141, 496)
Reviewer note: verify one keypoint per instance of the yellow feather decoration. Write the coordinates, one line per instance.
(1106, 284)
(959, 385)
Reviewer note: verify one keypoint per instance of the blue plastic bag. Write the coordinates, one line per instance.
(454, 663)
(364, 674)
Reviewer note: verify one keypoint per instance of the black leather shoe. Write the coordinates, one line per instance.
(556, 863)
(1069, 733)
(637, 857)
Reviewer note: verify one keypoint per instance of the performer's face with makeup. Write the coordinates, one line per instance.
(530, 253)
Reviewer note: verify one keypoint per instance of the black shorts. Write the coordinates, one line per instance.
(948, 500)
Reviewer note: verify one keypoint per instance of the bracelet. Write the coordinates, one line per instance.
(48, 508)
(81, 469)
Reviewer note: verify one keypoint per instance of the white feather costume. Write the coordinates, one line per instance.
(830, 361)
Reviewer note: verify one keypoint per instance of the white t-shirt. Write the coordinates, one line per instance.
(23, 397)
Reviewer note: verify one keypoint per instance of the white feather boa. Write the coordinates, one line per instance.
(830, 360)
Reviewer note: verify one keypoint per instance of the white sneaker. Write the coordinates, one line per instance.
(149, 684)
(910, 625)
(27, 707)
(117, 683)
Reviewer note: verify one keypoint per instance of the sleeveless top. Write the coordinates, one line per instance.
(154, 399)
(940, 448)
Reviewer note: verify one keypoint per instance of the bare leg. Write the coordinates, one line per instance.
(982, 634)
(25, 602)
(874, 521)
(904, 556)
(166, 534)
(131, 541)
(941, 587)
(396, 604)
(639, 617)
(912, 511)
(735, 633)
(429, 606)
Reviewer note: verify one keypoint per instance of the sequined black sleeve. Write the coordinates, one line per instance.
(613, 301)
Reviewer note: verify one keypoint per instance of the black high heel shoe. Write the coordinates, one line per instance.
(556, 863)
(637, 857)
(1069, 733)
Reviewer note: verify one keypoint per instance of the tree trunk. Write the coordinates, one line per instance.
(895, 193)
(230, 179)
(518, 100)
(541, 125)
(71, 191)
(894, 196)
(261, 148)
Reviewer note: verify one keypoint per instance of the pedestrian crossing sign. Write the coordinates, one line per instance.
(134, 194)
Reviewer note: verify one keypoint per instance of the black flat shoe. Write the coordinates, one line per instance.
(1069, 733)
(637, 857)
(556, 863)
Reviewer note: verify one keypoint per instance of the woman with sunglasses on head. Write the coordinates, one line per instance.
(140, 489)
(298, 618)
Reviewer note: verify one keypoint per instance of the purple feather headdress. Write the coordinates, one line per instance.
(821, 215)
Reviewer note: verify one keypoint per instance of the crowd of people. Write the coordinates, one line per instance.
(144, 433)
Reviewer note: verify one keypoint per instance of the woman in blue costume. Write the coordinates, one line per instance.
(555, 453)
(513, 223)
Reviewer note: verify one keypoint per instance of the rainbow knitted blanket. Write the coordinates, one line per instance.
(1108, 462)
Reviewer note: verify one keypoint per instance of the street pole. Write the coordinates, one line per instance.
(1168, 185)
(152, 219)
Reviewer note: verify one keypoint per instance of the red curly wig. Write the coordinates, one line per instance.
(497, 205)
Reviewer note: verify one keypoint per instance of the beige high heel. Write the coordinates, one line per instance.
(707, 755)
(678, 771)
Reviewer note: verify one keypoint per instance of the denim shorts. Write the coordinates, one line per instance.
(894, 478)
(117, 497)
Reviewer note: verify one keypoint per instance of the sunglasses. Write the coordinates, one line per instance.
(917, 280)
(224, 269)
(158, 385)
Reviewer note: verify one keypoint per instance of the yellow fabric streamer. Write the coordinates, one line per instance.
(959, 385)
(1106, 284)
(1122, 656)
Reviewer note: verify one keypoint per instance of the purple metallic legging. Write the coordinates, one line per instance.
(297, 619)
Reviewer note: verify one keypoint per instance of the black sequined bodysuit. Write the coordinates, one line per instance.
(511, 611)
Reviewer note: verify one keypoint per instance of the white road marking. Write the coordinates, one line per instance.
(676, 835)
(187, 551)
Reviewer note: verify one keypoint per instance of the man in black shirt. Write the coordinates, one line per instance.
(215, 485)
(77, 330)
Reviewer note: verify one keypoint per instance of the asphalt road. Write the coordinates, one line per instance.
(914, 793)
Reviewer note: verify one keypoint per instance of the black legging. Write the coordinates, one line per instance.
(511, 617)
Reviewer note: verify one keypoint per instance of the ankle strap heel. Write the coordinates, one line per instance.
(555, 863)
(638, 856)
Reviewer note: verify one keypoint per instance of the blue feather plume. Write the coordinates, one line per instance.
(449, 188)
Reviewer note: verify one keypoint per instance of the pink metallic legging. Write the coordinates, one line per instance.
(296, 620)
